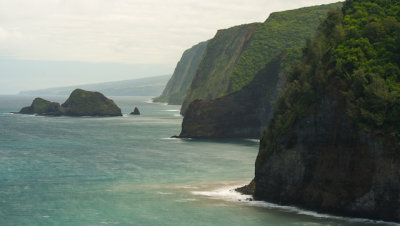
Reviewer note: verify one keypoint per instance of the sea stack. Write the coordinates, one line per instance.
(135, 111)
(79, 103)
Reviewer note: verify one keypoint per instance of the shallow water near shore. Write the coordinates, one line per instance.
(128, 171)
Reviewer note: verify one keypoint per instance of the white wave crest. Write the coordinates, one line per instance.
(229, 194)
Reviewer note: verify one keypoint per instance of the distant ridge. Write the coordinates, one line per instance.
(150, 86)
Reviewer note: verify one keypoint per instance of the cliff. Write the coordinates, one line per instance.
(236, 55)
(179, 84)
(215, 69)
(245, 113)
(79, 103)
(242, 114)
(332, 144)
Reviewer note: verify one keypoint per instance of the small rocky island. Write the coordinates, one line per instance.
(79, 103)
(135, 111)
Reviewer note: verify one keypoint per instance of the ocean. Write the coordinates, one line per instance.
(128, 171)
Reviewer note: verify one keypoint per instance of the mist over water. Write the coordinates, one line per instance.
(127, 171)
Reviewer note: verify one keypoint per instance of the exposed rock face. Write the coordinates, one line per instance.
(80, 103)
(42, 107)
(135, 111)
(326, 164)
(243, 114)
(179, 84)
(86, 103)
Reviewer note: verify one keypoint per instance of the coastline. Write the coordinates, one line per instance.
(229, 193)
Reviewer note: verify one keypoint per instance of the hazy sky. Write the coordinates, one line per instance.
(134, 38)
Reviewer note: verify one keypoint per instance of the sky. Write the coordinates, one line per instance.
(52, 43)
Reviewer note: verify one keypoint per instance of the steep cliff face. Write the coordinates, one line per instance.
(327, 164)
(179, 84)
(236, 55)
(215, 69)
(245, 113)
(242, 114)
(333, 142)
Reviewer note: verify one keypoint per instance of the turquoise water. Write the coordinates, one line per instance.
(127, 171)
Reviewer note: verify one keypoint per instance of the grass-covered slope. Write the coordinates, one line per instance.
(179, 84)
(234, 56)
(332, 144)
(280, 31)
(221, 55)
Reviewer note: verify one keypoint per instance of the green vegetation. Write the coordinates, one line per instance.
(354, 59)
(281, 30)
(213, 75)
(179, 84)
(235, 55)
(40, 105)
(369, 60)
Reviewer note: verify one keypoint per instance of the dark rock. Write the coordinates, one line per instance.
(243, 114)
(42, 107)
(326, 163)
(135, 111)
(80, 103)
(87, 103)
(247, 189)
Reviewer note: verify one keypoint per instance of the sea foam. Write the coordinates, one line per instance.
(229, 194)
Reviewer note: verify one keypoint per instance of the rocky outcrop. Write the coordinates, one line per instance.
(86, 103)
(135, 111)
(175, 91)
(42, 107)
(243, 114)
(327, 164)
(79, 103)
